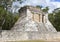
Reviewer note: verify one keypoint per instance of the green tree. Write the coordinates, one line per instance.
(5, 3)
(45, 9)
(2, 15)
(39, 7)
(7, 19)
(55, 18)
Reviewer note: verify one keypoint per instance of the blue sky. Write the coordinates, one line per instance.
(51, 3)
(56, 0)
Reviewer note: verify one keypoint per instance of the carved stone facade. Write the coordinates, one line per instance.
(36, 14)
(33, 19)
(32, 25)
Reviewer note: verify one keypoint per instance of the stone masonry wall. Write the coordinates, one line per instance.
(28, 35)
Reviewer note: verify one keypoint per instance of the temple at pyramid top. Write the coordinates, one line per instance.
(33, 19)
(33, 13)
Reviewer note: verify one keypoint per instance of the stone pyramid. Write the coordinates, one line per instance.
(33, 19)
(33, 24)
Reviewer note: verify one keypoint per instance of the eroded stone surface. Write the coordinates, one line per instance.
(28, 29)
(29, 35)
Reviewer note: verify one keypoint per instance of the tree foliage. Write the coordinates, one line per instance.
(5, 3)
(7, 19)
(45, 9)
(55, 18)
(39, 7)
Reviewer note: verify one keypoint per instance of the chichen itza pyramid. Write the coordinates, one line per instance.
(32, 24)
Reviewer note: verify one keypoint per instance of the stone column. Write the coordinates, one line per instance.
(44, 19)
(40, 18)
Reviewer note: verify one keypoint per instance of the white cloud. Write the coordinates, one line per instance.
(57, 4)
(52, 5)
